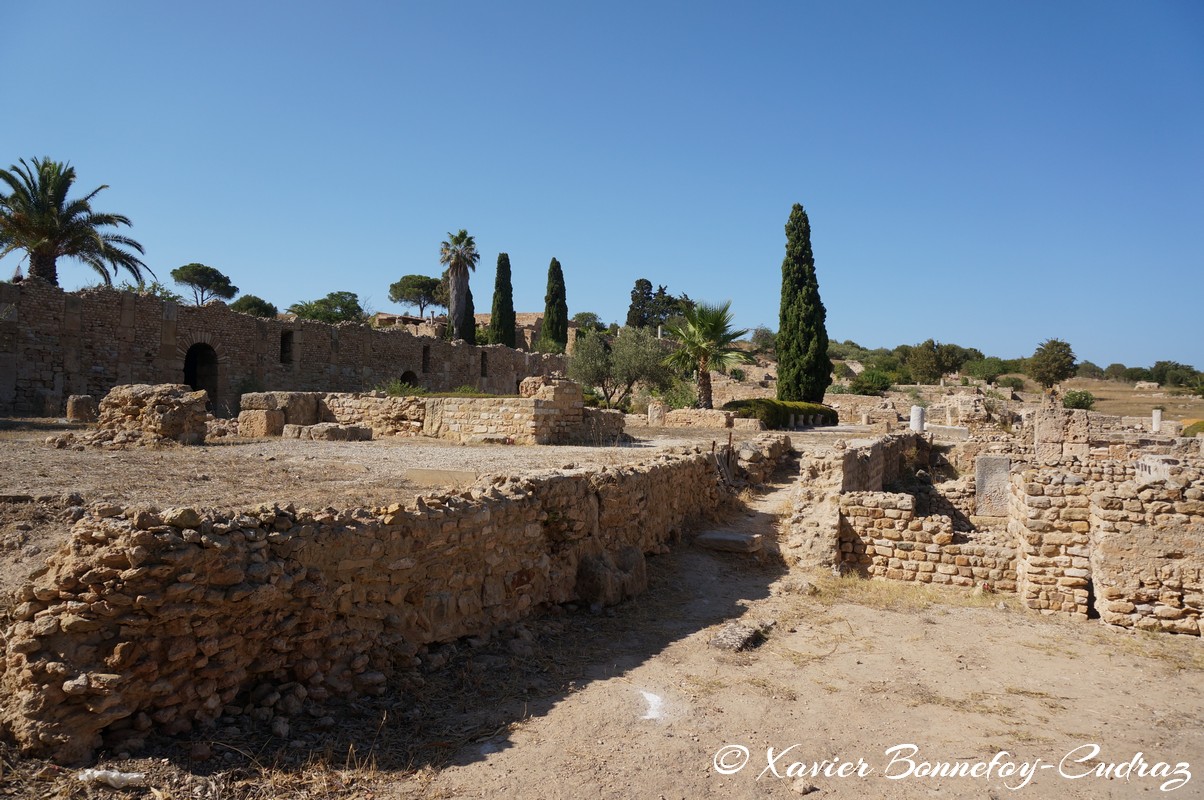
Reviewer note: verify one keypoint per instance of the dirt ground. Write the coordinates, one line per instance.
(634, 702)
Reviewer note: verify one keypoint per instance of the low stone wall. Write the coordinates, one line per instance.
(157, 619)
(552, 413)
(869, 465)
(882, 536)
(699, 418)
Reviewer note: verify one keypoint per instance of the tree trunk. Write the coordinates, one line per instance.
(457, 283)
(704, 389)
(44, 268)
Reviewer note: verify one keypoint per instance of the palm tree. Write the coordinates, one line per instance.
(705, 341)
(37, 217)
(459, 254)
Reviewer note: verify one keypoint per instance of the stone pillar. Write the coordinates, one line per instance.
(917, 419)
(949, 416)
(865, 418)
(1156, 422)
(656, 413)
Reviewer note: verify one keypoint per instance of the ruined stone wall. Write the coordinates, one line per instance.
(157, 619)
(699, 418)
(1147, 554)
(54, 344)
(867, 466)
(1049, 515)
(385, 415)
(882, 536)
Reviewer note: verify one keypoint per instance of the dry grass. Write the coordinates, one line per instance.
(898, 595)
(1122, 399)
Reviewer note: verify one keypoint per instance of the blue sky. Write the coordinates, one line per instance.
(986, 173)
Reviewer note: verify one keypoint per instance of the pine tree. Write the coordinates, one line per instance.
(804, 369)
(554, 335)
(501, 321)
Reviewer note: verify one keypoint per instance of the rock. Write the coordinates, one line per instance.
(81, 408)
(729, 541)
(181, 517)
(737, 636)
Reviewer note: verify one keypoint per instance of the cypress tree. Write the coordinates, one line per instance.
(554, 335)
(501, 321)
(804, 369)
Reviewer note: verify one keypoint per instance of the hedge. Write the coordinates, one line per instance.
(776, 413)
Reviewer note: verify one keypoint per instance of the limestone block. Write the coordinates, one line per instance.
(991, 485)
(258, 423)
(81, 408)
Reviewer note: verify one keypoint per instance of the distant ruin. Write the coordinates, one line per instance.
(54, 344)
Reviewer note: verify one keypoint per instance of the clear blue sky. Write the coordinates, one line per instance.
(986, 173)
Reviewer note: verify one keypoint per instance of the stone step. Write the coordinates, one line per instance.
(729, 541)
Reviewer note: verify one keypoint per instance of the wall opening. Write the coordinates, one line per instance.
(200, 369)
(409, 377)
(484, 365)
(426, 358)
(286, 347)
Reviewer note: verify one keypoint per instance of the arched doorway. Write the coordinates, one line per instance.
(200, 369)
(409, 377)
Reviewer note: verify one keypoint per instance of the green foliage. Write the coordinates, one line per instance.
(804, 368)
(554, 333)
(459, 254)
(334, 307)
(501, 316)
(1172, 373)
(154, 288)
(587, 321)
(616, 366)
(706, 341)
(1088, 370)
(1193, 430)
(736, 374)
(776, 413)
(255, 306)
(1077, 398)
(1053, 361)
(764, 340)
(1115, 372)
(415, 290)
(870, 382)
(396, 387)
(679, 393)
(842, 371)
(1013, 382)
(924, 363)
(206, 282)
(985, 369)
(37, 217)
(1135, 374)
(650, 310)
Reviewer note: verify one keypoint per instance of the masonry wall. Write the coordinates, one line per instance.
(882, 536)
(54, 344)
(157, 619)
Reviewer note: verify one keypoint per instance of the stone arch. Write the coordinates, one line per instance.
(201, 368)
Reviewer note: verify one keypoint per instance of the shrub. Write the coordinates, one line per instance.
(1078, 398)
(680, 394)
(396, 387)
(1014, 383)
(776, 413)
(1194, 429)
(870, 382)
(736, 374)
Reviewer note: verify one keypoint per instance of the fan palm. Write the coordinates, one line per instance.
(706, 341)
(459, 254)
(37, 217)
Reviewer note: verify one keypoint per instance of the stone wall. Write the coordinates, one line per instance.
(882, 536)
(157, 619)
(553, 413)
(54, 344)
(869, 465)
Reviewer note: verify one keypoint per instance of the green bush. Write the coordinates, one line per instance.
(736, 374)
(1078, 398)
(870, 382)
(1014, 383)
(1195, 429)
(396, 387)
(776, 413)
(680, 394)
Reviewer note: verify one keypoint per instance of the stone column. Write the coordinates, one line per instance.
(917, 419)
(1156, 423)
(865, 418)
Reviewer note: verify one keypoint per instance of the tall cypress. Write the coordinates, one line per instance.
(804, 369)
(501, 321)
(554, 335)
(470, 315)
